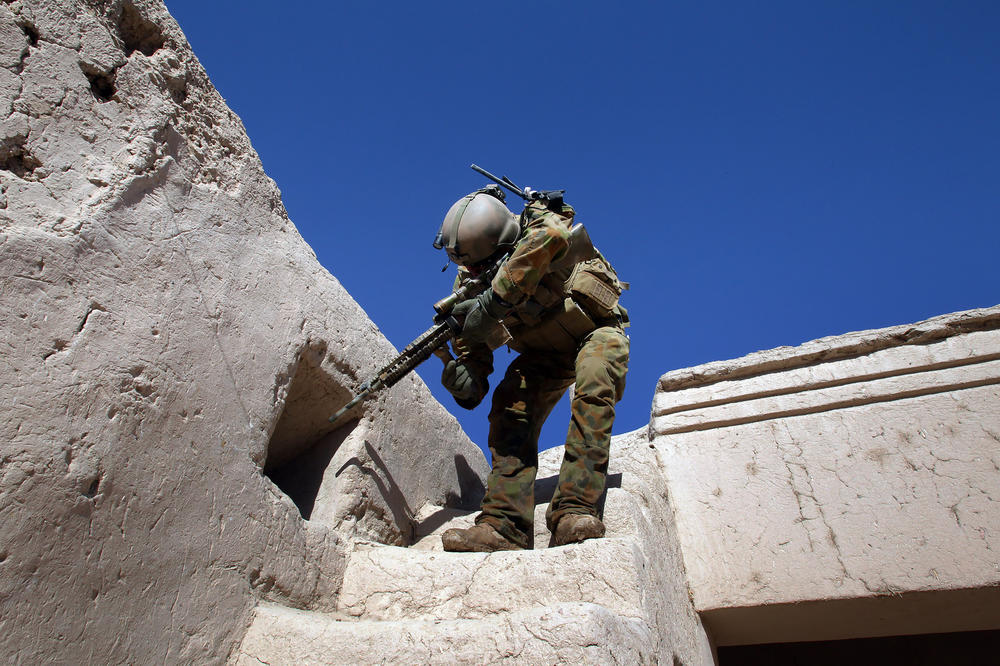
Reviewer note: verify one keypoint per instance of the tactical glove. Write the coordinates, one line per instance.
(482, 316)
(459, 381)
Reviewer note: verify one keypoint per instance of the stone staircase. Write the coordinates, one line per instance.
(600, 601)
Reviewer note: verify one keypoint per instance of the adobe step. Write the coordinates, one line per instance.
(568, 633)
(393, 583)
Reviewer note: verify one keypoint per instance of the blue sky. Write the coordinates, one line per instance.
(762, 173)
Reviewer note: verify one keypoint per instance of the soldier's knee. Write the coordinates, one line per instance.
(601, 378)
(597, 392)
(603, 360)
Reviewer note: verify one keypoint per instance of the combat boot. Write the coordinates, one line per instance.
(480, 538)
(576, 527)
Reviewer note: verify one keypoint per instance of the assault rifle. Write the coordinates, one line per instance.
(434, 341)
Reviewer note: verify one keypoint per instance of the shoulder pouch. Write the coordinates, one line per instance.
(595, 286)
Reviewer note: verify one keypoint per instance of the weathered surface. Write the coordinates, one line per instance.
(846, 487)
(169, 346)
(386, 583)
(620, 599)
(574, 633)
(171, 349)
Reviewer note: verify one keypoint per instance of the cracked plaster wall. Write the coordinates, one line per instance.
(158, 301)
(156, 304)
(859, 468)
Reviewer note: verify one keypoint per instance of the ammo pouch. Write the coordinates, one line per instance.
(568, 304)
(560, 330)
(595, 286)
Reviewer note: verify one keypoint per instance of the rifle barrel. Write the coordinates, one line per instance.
(358, 398)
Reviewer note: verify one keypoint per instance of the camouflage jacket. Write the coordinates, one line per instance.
(544, 238)
(547, 315)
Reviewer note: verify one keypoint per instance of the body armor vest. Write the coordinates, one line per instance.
(567, 305)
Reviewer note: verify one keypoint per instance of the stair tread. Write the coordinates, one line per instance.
(563, 633)
(388, 582)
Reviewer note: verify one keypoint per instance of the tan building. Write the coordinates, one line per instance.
(842, 489)
(172, 492)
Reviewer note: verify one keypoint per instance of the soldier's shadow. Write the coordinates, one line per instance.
(545, 488)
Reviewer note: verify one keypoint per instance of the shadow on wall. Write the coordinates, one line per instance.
(545, 488)
(311, 392)
(967, 648)
(315, 464)
(303, 442)
(470, 487)
(379, 475)
(301, 477)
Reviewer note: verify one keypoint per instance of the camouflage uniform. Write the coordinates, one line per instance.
(563, 337)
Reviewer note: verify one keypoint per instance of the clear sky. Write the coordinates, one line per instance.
(762, 173)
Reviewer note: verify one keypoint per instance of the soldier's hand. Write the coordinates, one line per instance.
(482, 316)
(459, 381)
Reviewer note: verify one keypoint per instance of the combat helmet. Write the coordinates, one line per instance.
(477, 226)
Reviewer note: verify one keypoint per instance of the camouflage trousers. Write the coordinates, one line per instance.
(533, 384)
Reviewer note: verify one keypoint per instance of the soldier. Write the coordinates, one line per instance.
(567, 325)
